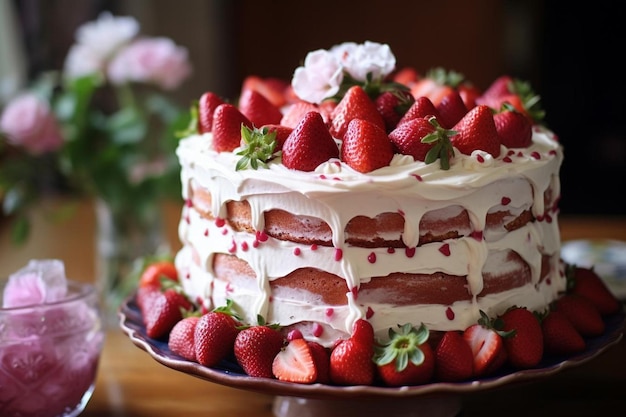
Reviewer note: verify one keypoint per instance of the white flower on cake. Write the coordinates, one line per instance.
(324, 70)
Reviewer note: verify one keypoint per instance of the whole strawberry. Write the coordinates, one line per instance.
(514, 128)
(214, 336)
(587, 283)
(477, 131)
(406, 358)
(422, 108)
(560, 337)
(321, 358)
(206, 107)
(166, 310)
(258, 109)
(524, 341)
(451, 109)
(351, 360)
(392, 105)
(309, 144)
(423, 139)
(355, 104)
(181, 339)
(453, 358)
(227, 121)
(256, 347)
(583, 315)
(366, 146)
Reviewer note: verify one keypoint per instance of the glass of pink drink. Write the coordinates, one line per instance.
(49, 351)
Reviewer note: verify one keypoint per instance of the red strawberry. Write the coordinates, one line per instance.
(581, 312)
(477, 130)
(206, 107)
(282, 133)
(517, 93)
(422, 108)
(156, 271)
(406, 358)
(273, 89)
(392, 105)
(296, 111)
(514, 128)
(454, 360)
(560, 337)
(351, 359)
(355, 104)
(587, 283)
(181, 340)
(487, 346)
(227, 122)
(146, 295)
(255, 349)
(406, 76)
(258, 109)
(366, 146)
(215, 336)
(436, 84)
(524, 341)
(167, 310)
(501, 86)
(294, 363)
(321, 357)
(309, 144)
(469, 93)
(417, 137)
(451, 109)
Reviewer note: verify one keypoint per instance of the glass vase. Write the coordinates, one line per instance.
(123, 237)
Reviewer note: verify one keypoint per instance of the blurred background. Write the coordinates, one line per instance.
(567, 52)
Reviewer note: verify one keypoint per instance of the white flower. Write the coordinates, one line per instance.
(151, 60)
(81, 60)
(106, 34)
(367, 58)
(319, 78)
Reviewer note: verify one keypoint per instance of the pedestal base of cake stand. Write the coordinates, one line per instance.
(448, 406)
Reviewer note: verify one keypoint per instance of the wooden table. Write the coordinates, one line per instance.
(131, 384)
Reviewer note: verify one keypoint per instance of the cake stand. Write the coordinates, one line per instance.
(299, 400)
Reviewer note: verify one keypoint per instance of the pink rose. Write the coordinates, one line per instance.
(28, 122)
(151, 60)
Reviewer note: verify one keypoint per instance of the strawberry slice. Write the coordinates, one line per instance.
(294, 363)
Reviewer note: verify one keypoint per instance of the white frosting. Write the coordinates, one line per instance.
(335, 193)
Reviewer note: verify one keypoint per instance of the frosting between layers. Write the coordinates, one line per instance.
(335, 194)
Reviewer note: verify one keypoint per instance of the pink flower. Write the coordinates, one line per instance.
(151, 60)
(319, 78)
(41, 281)
(28, 122)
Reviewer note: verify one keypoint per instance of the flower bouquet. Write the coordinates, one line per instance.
(104, 128)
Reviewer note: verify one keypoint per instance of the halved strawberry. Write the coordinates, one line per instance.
(294, 363)
(487, 346)
(206, 107)
(309, 144)
(227, 122)
(258, 109)
(355, 104)
(454, 360)
(477, 131)
(406, 358)
(366, 146)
